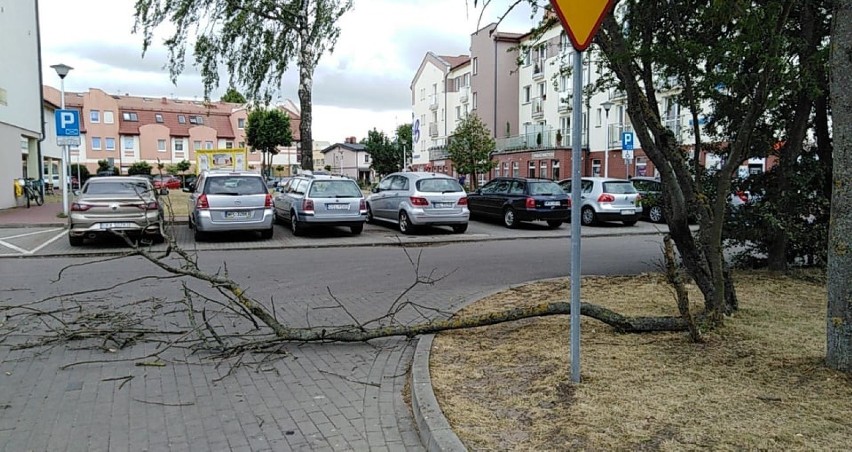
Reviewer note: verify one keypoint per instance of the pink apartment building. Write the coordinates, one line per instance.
(124, 129)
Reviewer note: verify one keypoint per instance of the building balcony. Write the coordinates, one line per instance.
(565, 102)
(613, 136)
(538, 70)
(438, 153)
(546, 138)
(433, 101)
(464, 94)
(538, 107)
(433, 129)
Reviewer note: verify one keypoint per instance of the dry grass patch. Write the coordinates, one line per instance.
(176, 204)
(757, 383)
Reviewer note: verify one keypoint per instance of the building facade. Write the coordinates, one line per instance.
(20, 97)
(350, 159)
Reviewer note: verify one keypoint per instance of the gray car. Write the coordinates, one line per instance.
(412, 199)
(225, 201)
(607, 199)
(311, 200)
(128, 205)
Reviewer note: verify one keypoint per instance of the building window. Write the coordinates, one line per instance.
(596, 168)
(422, 93)
(474, 101)
(181, 119)
(543, 172)
(242, 144)
(555, 165)
(196, 145)
(161, 145)
(158, 117)
(366, 158)
(109, 117)
(96, 143)
(94, 116)
(241, 123)
(229, 145)
(208, 145)
(128, 142)
(516, 169)
(542, 90)
(527, 57)
(531, 172)
(130, 116)
(641, 166)
(177, 144)
(458, 112)
(527, 90)
(110, 144)
(475, 66)
(196, 120)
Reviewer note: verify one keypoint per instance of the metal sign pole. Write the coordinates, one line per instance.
(576, 151)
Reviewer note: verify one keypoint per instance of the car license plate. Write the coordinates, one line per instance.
(117, 225)
(444, 205)
(236, 215)
(628, 211)
(337, 206)
(551, 203)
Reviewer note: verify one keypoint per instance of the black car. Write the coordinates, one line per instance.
(651, 190)
(517, 199)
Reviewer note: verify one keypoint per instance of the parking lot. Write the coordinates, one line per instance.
(52, 240)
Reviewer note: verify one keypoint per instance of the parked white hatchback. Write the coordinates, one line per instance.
(413, 199)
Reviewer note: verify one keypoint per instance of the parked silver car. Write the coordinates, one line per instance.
(412, 199)
(309, 199)
(225, 201)
(607, 199)
(128, 205)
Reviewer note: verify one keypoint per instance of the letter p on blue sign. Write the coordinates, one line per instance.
(67, 123)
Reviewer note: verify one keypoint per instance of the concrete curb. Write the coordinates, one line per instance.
(435, 432)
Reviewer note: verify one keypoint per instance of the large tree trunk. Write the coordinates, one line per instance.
(306, 82)
(839, 317)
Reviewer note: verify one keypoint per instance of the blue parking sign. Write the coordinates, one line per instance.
(627, 141)
(67, 127)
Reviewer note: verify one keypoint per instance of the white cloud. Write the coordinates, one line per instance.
(363, 85)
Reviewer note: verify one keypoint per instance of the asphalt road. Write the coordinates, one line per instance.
(333, 396)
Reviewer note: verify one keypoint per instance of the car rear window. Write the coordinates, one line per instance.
(619, 188)
(545, 188)
(334, 189)
(235, 185)
(116, 187)
(438, 185)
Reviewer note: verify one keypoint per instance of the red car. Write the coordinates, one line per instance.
(170, 182)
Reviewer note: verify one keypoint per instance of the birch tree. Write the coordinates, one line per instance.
(255, 41)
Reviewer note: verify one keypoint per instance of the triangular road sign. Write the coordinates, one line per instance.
(581, 19)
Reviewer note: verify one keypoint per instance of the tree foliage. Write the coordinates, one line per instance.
(139, 168)
(266, 129)
(470, 148)
(385, 155)
(404, 141)
(255, 41)
(233, 96)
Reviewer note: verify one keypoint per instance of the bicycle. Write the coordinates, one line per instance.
(32, 192)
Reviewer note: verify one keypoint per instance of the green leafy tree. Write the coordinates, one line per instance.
(104, 165)
(233, 96)
(77, 168)
(140, 168)
(470, 148)
(404, 143)
(255, 39)
(384, 154)
(266, 129)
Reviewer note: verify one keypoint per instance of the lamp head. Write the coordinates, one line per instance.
(607, 105)
(61, 70)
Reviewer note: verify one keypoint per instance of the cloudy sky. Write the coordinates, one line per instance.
(362, 85)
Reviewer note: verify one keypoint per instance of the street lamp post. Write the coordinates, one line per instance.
(62, 70)
(606, 106)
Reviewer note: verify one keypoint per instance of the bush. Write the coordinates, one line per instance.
(139, 168)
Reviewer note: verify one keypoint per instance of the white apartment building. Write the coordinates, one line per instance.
(20, 96)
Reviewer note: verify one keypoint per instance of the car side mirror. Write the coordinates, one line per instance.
(187, 189)
(164, 191)
(75, 192)
(376, 189)
(478, 191)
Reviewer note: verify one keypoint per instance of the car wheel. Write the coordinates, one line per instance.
(460, 228)
(357, 229)
(266, 234)
(629, 222)
(554, 224)
(295, 224)
(509, 219)
(656, 214)
(405, 225)
(370, 218)
(587, 216)
(75, 241)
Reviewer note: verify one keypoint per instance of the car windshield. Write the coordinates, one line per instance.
(438, 185)
(235, 186)
(116, 188)
(619, 188)
(545, 188)
(335, 189)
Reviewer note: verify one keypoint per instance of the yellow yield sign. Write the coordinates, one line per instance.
(581, 19)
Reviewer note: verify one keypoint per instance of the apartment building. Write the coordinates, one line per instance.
(20, 96)
(124, 129)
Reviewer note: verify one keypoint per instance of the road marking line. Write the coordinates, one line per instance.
(58, 236)
(32, 233)
(9, 245)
